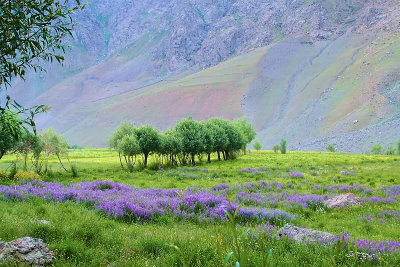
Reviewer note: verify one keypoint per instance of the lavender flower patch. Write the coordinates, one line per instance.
(136, 204)
(251, 171)
(193, 169)
(347, 173)
(382, 217)
(296, 175)
(372, 247)
(392, 191)
(340, 188)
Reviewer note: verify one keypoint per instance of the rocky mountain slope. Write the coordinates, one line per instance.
(314, 72)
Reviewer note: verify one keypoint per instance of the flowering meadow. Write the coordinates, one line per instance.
(180, 216)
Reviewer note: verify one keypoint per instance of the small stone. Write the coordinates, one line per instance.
(342, 201)
(41, 222)
(301, 235)
(27, 249)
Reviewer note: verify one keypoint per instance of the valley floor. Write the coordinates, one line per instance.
(176, 217)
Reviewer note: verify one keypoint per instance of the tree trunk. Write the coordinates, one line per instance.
(25, 159)
(145, 160)
(209, 158)
(120, 160)
(219, 156)
(126, 160)
(193, 162)
(47, 162)
(59, 159)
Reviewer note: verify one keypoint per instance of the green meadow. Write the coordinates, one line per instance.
(81, 236)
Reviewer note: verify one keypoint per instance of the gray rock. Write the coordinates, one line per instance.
(41, 222)
(27, 249)
(342, 201)
(302, 235)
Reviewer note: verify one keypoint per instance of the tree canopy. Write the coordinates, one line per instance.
(31, 32)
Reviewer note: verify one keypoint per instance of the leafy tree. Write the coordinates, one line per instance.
(247, 130)
(235, 137)
(282, 146)
(221, 140)
(208, 140)
(257, 145)
(192, 134)
(31, 32)
(390, 151)
(129, 148)
(54, 144)
(29, 143)
(376, 149)
(149, 141)
(172, 146)
(276, 148)
(117, 136)
(7, 141)
(330, 148)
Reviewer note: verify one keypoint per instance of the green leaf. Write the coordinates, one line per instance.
(227, 258)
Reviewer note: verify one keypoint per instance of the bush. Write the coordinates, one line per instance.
(276, 148)
(27, 176)
(282, 146)
(13, 171)
(154, 165)
(330, 148)
(3, 175)
(140, 165)
(376, 149)
(74, 171)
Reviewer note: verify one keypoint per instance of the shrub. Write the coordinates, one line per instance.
(276, 148)
(282, 146)
(13, 171)
(27, 176)
(74, 171)
(330, 148)
(376, 149)
(154, 165)
(257, 145)
(3, 175)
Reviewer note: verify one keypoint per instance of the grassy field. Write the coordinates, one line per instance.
(81, 235)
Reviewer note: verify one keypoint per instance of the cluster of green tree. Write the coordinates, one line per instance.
(377, 149)
(181, 144)
(281, 147)
(38, 147)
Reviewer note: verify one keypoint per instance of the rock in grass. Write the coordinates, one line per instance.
(40, 222)
(342, 201)
(302, 235)
(27, 250)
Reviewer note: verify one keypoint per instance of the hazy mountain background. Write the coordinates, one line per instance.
(313, 72)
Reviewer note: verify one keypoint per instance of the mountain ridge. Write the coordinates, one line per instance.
(255, 57)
